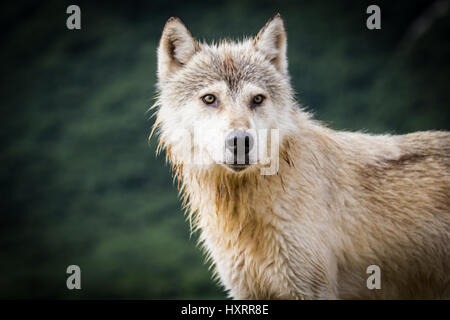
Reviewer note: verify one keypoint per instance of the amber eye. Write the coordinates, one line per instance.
(257, 100)
(209, 99)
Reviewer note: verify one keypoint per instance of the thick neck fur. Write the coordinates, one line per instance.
(245, 219)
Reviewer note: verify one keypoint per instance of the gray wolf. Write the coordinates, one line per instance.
(338, 202)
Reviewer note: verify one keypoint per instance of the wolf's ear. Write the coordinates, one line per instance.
(176, 47)
(272, 42)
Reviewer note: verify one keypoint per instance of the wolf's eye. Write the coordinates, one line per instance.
(257, 100)
(209, 99)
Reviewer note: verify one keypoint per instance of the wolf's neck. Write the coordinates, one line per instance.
(247, 221)
(231, 201)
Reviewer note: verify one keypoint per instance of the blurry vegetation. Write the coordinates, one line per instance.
(80, 183)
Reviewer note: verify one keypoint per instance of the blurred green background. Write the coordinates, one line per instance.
(80, 184)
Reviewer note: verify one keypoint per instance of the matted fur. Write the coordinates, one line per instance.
(339, 202)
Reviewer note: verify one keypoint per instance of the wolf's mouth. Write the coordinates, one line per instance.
(238, 167)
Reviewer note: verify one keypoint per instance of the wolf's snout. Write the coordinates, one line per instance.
(239, 143)
(237, 138)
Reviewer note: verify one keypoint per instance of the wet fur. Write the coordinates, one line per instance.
(341, 201)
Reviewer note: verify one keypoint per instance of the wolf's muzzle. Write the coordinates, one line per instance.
(240, 143)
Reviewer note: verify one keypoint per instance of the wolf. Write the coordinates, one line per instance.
(337, 203)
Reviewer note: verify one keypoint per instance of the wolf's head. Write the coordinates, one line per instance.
(223, 105)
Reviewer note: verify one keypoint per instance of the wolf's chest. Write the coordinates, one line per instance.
(249, 261)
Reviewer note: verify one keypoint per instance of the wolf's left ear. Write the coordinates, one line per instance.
(176, 47)
(272, 42)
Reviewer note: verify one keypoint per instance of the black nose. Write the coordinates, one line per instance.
(240, 143)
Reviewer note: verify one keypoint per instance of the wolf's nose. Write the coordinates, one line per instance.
(239, 140)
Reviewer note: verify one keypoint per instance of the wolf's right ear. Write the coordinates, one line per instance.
(176, 47)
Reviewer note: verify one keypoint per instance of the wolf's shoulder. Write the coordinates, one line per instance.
(434, 144)
(435, 138)
(420, 151)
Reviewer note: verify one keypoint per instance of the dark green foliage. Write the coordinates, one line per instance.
(80, 183)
